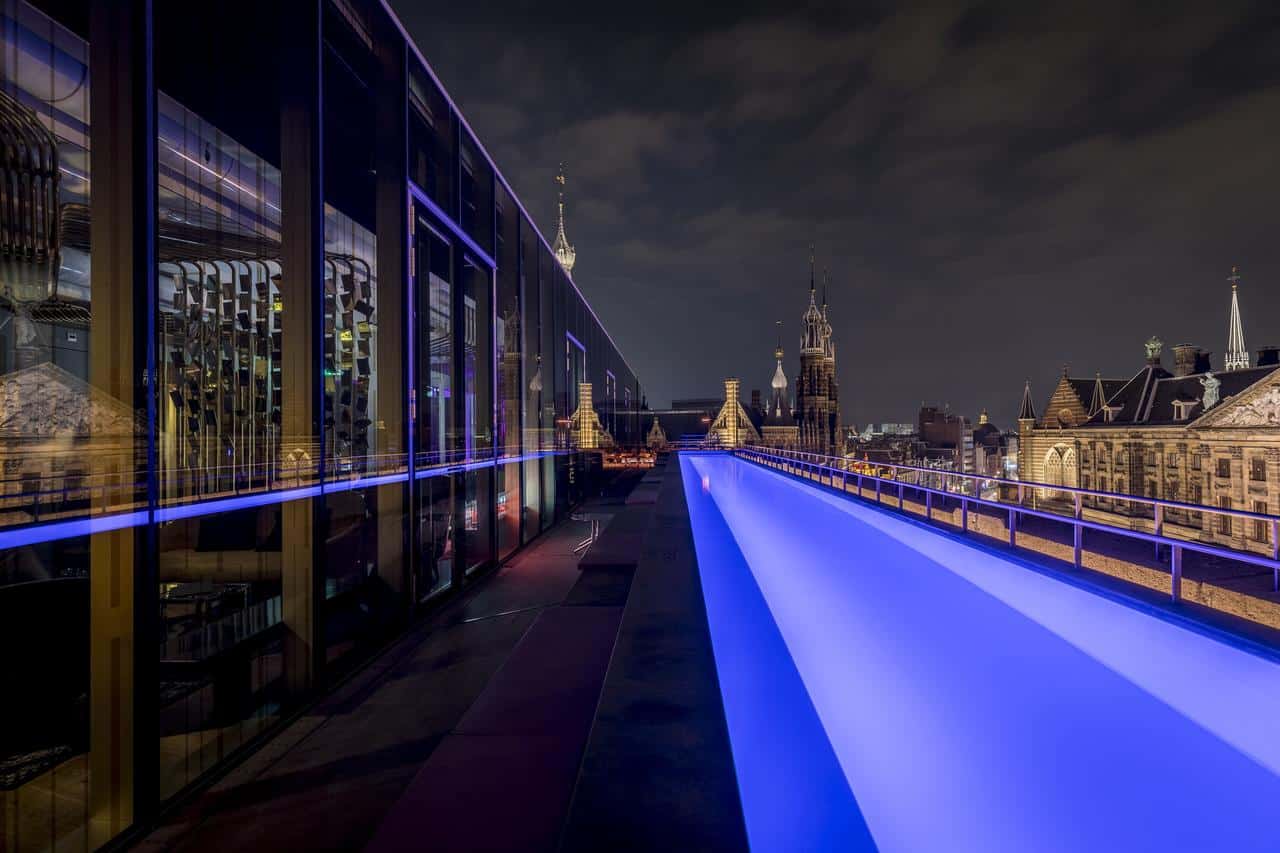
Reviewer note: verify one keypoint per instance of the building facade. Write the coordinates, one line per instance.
(1193, 435)
(314, 380)
(817, 411)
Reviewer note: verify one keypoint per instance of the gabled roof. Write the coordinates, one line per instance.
(1148, 398)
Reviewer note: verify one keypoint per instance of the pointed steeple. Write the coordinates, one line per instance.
(1099, 398)
(1237, 355)
(563, 250)
(813, 337)
(828, 347)
(1028, 411)
(778, 398)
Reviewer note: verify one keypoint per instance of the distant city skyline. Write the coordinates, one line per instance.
(995, 187)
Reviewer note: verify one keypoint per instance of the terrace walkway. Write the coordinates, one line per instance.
(558, 706)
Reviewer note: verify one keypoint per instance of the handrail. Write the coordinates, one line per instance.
(1079, 523)
(1030, 484)
(49, 509)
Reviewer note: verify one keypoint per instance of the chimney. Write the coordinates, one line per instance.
(756, 405)
(1202, 362)
(1268, 356)
(1184, 359)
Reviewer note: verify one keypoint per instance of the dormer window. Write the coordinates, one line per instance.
(1182, 409)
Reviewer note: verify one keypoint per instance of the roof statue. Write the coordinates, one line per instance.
(1237, 355)
(565, 252)
(1211, 385)
(1154, 346)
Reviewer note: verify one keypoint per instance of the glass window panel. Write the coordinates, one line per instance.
(532, 383)
(476, 194)
(363, 558)
(220, 346)
(44, 739)
(436, 534)
(437, 436)
(66, 451)
(477, 517)
(508, 331)
(476, 317)
(221, 661)
(431, 141)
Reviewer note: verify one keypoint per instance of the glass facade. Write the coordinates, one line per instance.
(314, 381)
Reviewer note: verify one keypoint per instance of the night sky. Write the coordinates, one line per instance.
(998, 189)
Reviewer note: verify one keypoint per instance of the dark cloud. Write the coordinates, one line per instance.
(997, 188)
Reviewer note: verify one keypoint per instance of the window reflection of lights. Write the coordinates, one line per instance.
(222, 178)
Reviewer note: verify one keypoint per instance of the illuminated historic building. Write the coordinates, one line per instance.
(656, 439)
(817, 405)
(778, 427)
(1193, 434)
(733, 426)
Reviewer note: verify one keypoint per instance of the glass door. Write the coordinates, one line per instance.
(435, 420)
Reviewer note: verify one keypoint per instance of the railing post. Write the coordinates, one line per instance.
(1275, 555)
(1159, 527)
(877, 490)
(1175, 575)
(1078, 532)
(964, 514)
(1013, 527)
(899, 494)
(928, 506)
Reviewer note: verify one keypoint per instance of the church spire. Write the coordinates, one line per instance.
(1028, 412)
(563, 250)
(813, 338)
(828, 348)
(1237, 355)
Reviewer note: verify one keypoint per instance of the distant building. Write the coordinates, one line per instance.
(733, 426)
(778, 426)
(817, 391)
(657, 438)
(1193, 435)
(990, 448)
(945, 439)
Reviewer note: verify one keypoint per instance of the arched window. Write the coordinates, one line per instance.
(1070, 470)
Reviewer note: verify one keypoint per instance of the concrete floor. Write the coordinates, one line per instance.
(520, 717)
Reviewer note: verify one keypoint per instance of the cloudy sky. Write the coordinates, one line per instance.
(998, 189)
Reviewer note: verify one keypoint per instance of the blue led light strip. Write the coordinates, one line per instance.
(54, 531)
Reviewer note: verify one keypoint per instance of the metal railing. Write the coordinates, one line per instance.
(32, 501)
(935, 482)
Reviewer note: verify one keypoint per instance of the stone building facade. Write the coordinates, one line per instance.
(1193, 435)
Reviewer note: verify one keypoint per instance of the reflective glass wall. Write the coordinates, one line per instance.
(315, 381)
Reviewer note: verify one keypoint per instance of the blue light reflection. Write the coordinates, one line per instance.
(973, 704)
